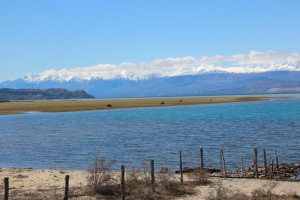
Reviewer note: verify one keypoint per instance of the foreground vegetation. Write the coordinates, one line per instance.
(84, 105)
(103, 183)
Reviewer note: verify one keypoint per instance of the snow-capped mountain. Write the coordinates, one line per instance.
(104, 72)
(201, 84)
(254, 72)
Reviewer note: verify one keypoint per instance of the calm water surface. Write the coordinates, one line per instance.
(130, 136)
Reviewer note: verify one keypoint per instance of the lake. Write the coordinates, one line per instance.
(130, 136)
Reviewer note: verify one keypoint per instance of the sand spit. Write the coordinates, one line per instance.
(101, 104)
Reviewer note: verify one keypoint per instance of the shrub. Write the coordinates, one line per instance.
(101, 178)
(221, 193)
(167, 182)
(138, 183)
(198, 177)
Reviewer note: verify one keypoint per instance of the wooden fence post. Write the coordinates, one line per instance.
(222, 162)
(255, 163)
(152, 176)
(265, 163)
(122, 182)
(6, 188)
(272, 167)
(67, 187)
(181, 173)
(201, 158)
(276, 159)
(242, 165)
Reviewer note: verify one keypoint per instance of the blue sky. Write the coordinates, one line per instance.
(41, 35)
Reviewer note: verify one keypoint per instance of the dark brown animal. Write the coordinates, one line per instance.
(162, 103)
(108, 106)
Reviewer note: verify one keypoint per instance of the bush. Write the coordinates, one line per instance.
(221, 193)
(138, 183)
(198, 177)
(101, 178)
(167, 182)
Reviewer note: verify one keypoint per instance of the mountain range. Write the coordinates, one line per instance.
(154, 85)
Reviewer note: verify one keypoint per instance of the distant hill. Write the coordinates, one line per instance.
(7, 94)
(264, 86)
(214, 83)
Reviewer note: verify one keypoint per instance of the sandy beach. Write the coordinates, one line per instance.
(17, 107)
(50, 183)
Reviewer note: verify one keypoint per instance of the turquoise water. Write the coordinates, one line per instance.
(130, 136)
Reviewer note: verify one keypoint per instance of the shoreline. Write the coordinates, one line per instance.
(21, 107)
(47, 182)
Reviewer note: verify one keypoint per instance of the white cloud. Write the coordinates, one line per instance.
(251, 62)
(256, 58)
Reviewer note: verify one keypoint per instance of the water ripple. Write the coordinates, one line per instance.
(69, 140)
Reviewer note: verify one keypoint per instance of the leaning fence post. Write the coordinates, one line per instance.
(181, 173)
(222, 162)
(152, 176)
(66, 187)
(255, 163)
(122, 182)
(6, 188)
(201, 158)
(265, 163)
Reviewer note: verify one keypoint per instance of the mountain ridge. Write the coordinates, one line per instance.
(7, 94)
(130, 71)
(187, 85)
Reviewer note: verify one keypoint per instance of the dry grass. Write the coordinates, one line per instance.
(79, 105)
(199, 177)
(39, 194)
(266, 192)
(138, 185)
(105, 184)
(102, 183)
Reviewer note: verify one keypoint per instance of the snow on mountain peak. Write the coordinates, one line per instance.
(252, 62)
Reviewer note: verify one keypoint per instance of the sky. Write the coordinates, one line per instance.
(54, 35)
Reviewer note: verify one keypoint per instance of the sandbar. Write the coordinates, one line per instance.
(18, 107)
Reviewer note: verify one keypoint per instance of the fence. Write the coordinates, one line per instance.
(269, 170)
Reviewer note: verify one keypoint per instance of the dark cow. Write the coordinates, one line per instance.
(108, 106)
